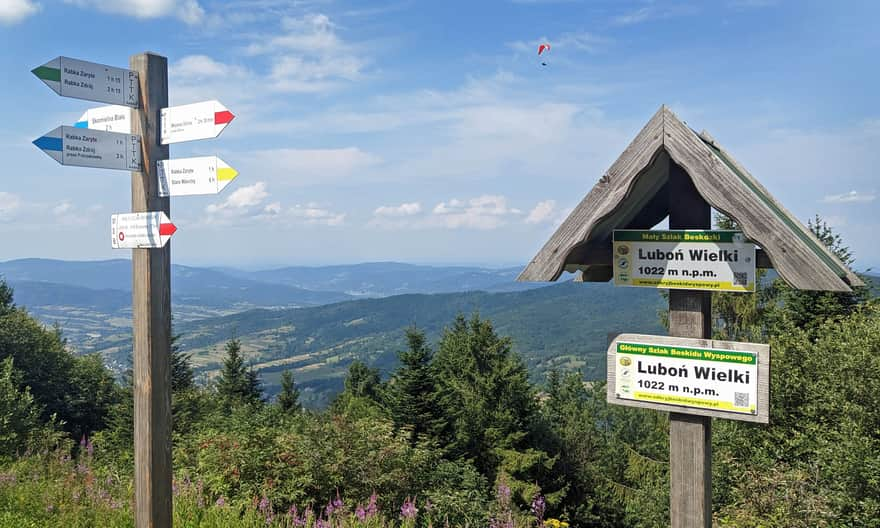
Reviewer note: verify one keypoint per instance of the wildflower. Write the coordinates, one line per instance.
(504, 492)
(360, 513)
(337, 502)
(264, 504)
(220, 502)
(408, 510)
(538, 507)
(50, 508)
(372, 509)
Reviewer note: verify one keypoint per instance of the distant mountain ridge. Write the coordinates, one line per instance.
(379, 279)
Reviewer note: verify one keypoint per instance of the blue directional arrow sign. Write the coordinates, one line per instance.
(83, 147)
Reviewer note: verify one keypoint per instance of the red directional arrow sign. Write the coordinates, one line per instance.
(192, 122)
(140, 230)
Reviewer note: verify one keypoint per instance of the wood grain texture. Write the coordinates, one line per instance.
(690, 316)
(151, 311)
(786, 244)
(690, 471)
(608, 192)
(799, 258)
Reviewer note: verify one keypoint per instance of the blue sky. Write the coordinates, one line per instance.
(429, 131)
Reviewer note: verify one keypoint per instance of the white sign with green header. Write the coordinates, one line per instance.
(701, 376)
(684, 259)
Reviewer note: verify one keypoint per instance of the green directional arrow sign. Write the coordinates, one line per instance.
(92, 82)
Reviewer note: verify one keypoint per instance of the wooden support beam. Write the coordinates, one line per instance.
(151, 311)
(690, 315)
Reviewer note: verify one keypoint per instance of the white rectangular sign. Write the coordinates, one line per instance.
(684, 259)
(189, 176)
(112, 118)
(140, 230)
(82, 147)
(669, 373)
(88, 80)
(191, 122)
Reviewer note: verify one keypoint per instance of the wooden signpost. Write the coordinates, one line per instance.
(134, 137)
(151, 311)
(668, 169)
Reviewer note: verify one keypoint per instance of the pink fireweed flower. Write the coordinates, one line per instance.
(220, 502)
(539, 506)
(372, 508)
(408, 510)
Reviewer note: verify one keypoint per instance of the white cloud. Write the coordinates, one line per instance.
(247, 204)
(240, 201)
(312, 213)
(404, 209)
(653, 12)
(483, 212)
(634, 17)
(14, 11)
(542, 212)
(62, 208)
(9, 204)
(850, 197)
(189, 11)
(309, 56)
(197, 67)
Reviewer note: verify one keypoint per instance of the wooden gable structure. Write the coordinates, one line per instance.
(634, 194)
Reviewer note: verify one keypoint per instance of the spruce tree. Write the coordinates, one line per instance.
(363, 381)
(485, 394)
(237, 383)
(413, 401)
(288, 398)
(181, 368)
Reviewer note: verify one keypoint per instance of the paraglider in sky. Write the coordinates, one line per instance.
(541, 49)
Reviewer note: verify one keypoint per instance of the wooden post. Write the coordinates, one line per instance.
(690, 315)
(151, 311)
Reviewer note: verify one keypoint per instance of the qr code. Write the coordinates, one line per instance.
(740, 278)
(740, 399)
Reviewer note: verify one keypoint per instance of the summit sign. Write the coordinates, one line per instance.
(684, 259)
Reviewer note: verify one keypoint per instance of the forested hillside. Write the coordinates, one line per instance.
(455, 430)
(564, 326)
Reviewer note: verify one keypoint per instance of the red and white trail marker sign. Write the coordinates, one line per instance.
(140, 230)
(192, 122)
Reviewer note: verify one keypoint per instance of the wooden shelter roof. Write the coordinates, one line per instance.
(633, 194)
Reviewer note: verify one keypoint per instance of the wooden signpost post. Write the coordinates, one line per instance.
(135, 137)
(151, 311)
(669, 170)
